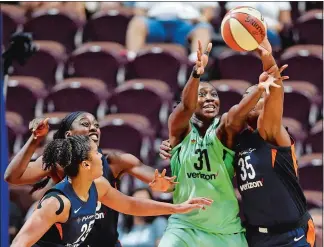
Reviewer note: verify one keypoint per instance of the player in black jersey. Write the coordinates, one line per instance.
(22, 171)
(66, 214)
(267, 176)
(267, 172)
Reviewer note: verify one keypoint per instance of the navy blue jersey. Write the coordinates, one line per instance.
(267, 178)
(80, 222)
(104, 232)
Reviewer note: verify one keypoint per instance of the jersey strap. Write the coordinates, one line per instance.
(53, 193)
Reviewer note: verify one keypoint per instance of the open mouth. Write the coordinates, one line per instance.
(209, 107)
(94, 137)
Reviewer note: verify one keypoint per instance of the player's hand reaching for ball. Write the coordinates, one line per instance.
(202, 58)
(265, 48)
(267, 79)
(39, 127)
(194, 203)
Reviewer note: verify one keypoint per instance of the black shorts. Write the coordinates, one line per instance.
(299, 237)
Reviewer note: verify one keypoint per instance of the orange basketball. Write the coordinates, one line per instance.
(243, 28)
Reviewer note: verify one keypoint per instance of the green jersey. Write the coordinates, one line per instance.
(203, 167)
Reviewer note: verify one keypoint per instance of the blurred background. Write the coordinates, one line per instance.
(118, 61)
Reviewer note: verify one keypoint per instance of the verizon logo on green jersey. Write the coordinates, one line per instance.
(202, 175)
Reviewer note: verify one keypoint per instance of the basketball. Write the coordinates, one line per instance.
(243, 28)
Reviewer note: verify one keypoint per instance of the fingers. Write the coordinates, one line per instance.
(156, 173)
(46, 121)
(283, 68)
(166, 145)
(275, 85)
(209, 47)
(199, 55)
(201, 200)
(164, 155)
(199, 46)
(163, 173)
(284, 78)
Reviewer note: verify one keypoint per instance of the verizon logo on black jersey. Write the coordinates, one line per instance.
(251, 185)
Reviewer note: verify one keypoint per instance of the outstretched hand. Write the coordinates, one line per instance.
(267, 79)
(202, 58)
(194, 203)
(161, 182)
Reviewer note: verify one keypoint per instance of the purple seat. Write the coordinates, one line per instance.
(240, 65)
(229, 94)
(305, 64)
(15, 128)
(297, 131)
(56, 25)
(309, 26)
(314, 142)
(166, 62)
(23, 96)
(293, 100)
(311, 172)
(130, 133)
(99, 60)
(143, 91)
(51, 54)
(77, 94)
(108, 25)
(12, 17)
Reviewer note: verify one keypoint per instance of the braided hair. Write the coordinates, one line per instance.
(69, 153)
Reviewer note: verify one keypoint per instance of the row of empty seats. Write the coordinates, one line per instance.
(106, 61)
(111, 25)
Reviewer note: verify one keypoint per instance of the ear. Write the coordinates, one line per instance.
(67, 134)
(86, 165)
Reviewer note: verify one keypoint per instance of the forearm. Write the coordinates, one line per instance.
(143, 172)
(19, 163)
(268, 61)
(19, 243)
(146, 207)
(189, 96)
(237, 115)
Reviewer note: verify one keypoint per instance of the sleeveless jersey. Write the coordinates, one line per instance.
(104, 232)
(80, 222)
(267, 179)
(203, 166)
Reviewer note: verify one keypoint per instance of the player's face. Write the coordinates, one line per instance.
(208, 101)
(258, 107)
(86, 124)
(95, 161)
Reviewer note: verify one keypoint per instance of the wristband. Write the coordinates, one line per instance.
(194, 73)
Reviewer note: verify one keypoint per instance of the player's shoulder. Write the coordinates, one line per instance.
(55, 202)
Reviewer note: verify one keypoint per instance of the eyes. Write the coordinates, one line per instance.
(87, 124)
(204, 94)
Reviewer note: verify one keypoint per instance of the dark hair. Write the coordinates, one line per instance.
(66, 124)
(129, 219)
(68, 153)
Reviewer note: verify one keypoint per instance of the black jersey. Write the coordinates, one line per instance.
(104, 232)
(267, 178)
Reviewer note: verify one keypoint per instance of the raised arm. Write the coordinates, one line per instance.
(142, 207)
(270, 120)
(128, 163)
(179, 119)
(21, 170)
(41, 220)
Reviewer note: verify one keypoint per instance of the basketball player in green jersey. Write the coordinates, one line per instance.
(202, 161)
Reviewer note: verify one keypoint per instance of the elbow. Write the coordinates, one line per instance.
(8, 177)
